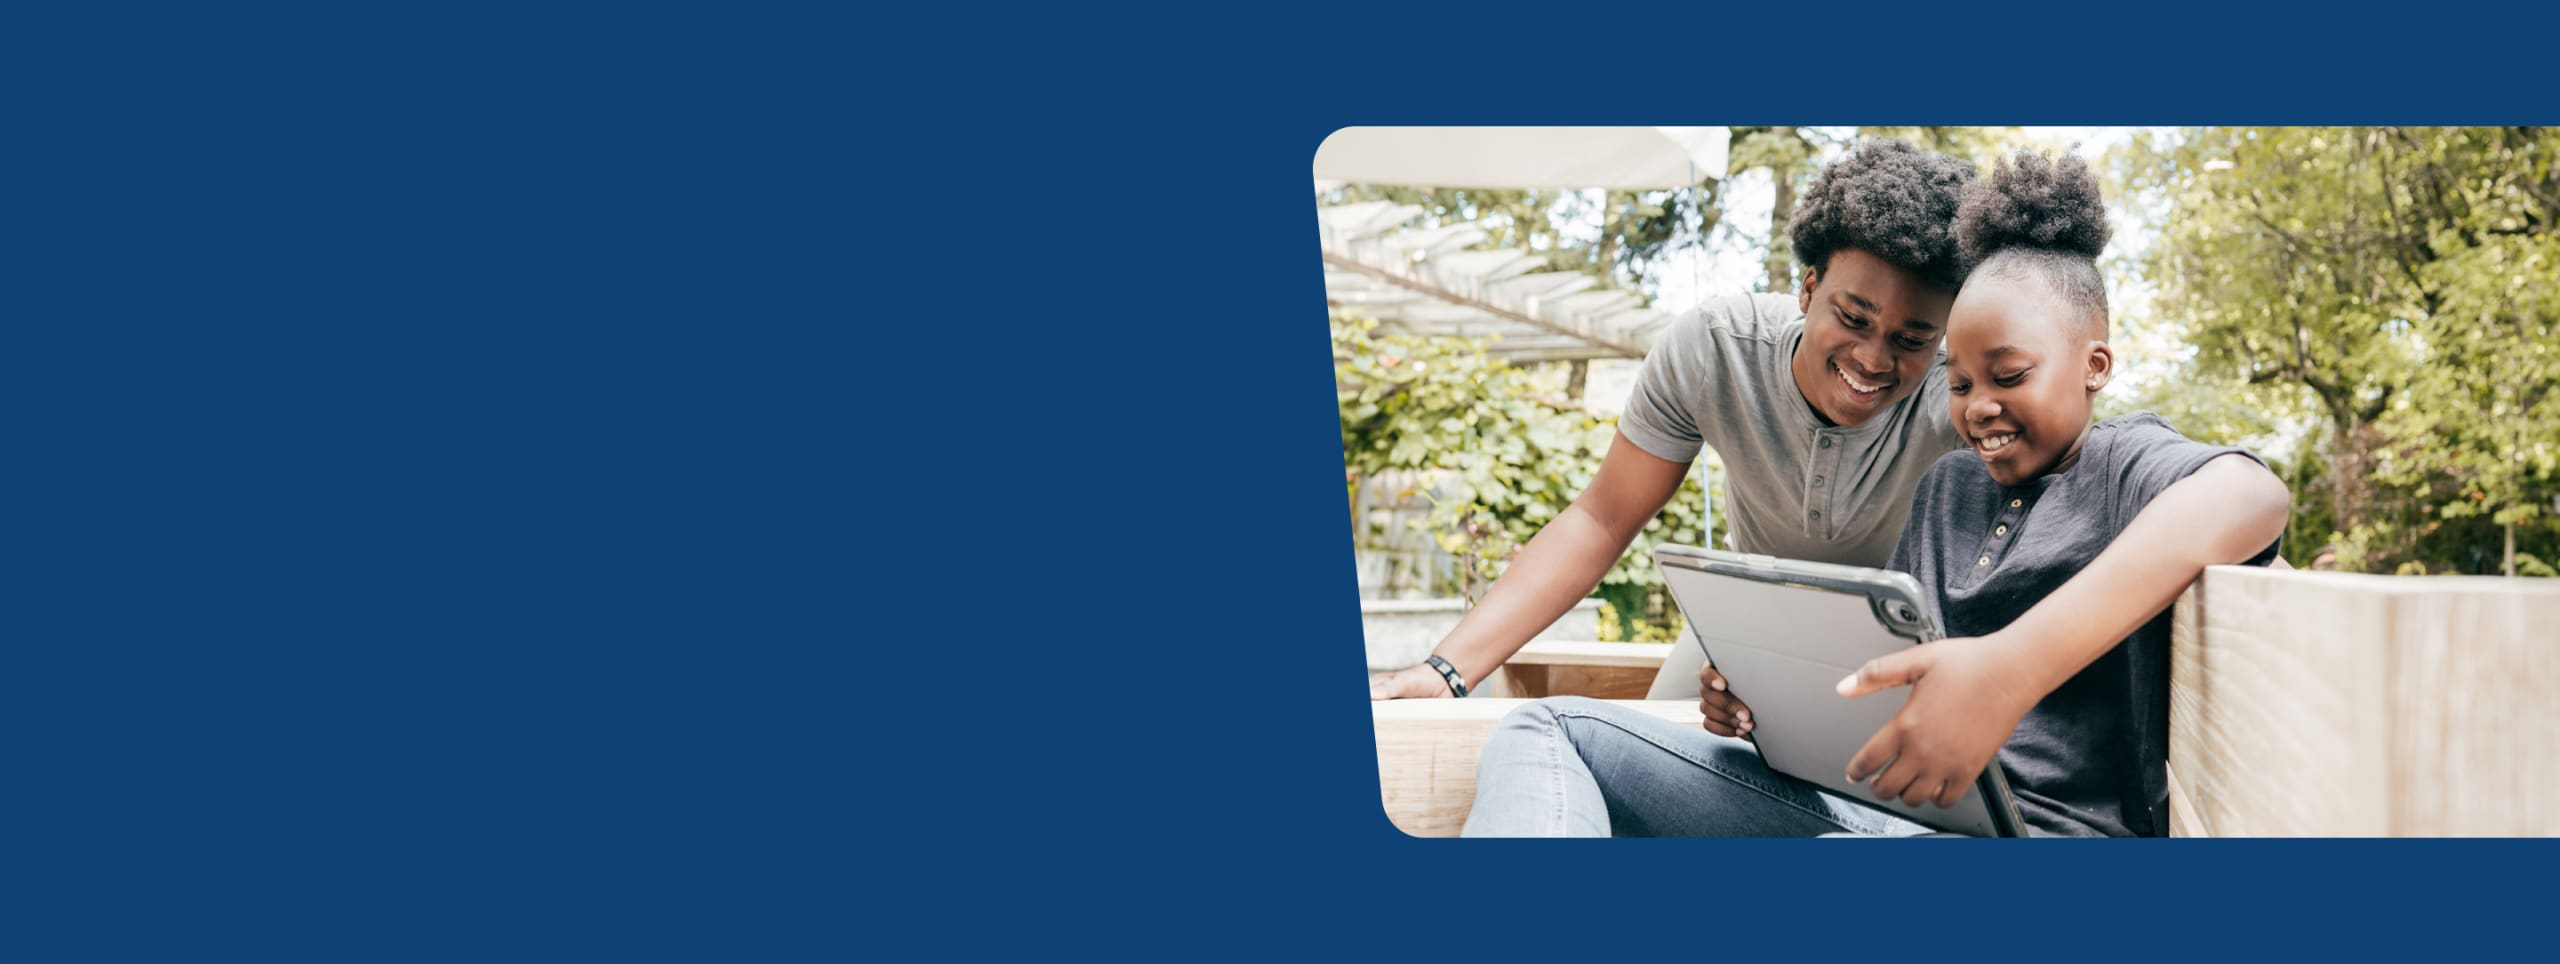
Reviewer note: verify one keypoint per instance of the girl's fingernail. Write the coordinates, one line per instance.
(1717, 685)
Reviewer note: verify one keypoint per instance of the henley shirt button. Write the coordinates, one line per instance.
(2002, 531)
(2014, 503)
(1984, 561)
(1826, 443)
(1817, 515)
(1817, 480)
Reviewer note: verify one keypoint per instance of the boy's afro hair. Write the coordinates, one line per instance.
(2030, 202)
(1892, 200)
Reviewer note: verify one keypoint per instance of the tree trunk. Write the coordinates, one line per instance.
(1610, 227)
(1782, 208)
(2351, 488)
(2511, 550)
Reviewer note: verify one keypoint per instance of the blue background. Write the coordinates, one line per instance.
(772, 484)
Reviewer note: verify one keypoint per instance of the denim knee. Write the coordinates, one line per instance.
(1621, 725)
(1581, 703)
(1531, 721)
(1539, 715)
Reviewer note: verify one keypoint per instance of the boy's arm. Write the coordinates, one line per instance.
(1978, 689)
(1558, 567)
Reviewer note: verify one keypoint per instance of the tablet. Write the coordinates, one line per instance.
(1784, 632)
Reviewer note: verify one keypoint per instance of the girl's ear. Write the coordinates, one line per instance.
(2102, 365)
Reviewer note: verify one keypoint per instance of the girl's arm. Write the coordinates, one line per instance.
(1977, 689)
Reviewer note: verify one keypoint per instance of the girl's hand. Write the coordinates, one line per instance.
(1725, 714)
(1966, 697)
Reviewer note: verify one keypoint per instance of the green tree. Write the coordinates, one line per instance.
(1787, 153)
(1644, 228)
(2474, 426)
(1981, 145)
(2399, 281)
(1638, 230)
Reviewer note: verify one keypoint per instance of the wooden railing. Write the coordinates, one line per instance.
(2301, 704)
(2326, 704)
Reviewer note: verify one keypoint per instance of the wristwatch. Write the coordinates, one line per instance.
(1457, 682)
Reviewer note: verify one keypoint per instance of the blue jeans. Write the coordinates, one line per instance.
(1573, 767)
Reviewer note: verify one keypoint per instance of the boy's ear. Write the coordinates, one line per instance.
(2102, 365)
(1804, 295)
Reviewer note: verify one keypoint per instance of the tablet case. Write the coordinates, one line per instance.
(1784, 632)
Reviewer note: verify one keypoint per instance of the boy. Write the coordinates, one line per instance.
(1827, 406)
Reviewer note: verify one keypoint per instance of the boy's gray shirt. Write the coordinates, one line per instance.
(2091, 758)
(1794, 487)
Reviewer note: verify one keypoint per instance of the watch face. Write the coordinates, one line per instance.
(1457, 683)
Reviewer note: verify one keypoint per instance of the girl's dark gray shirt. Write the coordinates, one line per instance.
(2091, 759)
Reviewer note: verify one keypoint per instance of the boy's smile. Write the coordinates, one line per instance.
(1870, 333)
(2021, 369)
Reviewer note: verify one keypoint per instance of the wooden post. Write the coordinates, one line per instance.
(2333, 704)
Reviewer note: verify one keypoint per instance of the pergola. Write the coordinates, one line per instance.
(1433, 280)
(1436, 280)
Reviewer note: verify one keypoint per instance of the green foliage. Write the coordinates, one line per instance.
(2201, 406)
(1787, 153)
(1619, 625)
(2398, 284)
(2315, 522)
(1638, 230)
(1516, 219)
(1642, 229)
(1981, 145)
(1506, 456)
(2476, 414)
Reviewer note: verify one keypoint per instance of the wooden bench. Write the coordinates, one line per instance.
(1561, 668)
(1427, 754)
(2301, 704)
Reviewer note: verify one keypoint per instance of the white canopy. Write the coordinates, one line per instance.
(1572, 158)
(1425, 280)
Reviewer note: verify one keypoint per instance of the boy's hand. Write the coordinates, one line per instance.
(1416, 682)
(1725, 714)
(1966, 697)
